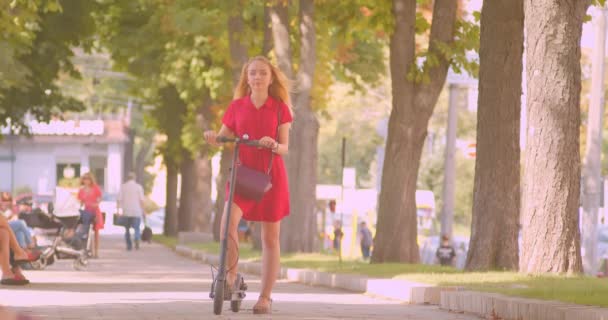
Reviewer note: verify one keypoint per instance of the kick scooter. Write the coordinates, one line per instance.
(219, 280)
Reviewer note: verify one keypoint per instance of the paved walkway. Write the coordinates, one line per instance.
(156, 283)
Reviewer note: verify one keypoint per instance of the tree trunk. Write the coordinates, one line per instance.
(169, 99)
(413, 105)
(238, 51)
(267, 42)
(256, 228)
(128, 155)
(279, 19)
(140, 159)
(299, 230)
(186, 199)
(170, 225)
(238, 57)
(201, 202)
(496, 196)
(551, 238)
(256, 236)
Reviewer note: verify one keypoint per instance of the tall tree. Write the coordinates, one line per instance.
(413, 104)
(551, 238)
(170, 223)
(496, 195)
(345, 47)
(168, 114)
(302, 158)
(175, 49)
(202, 207)
(238, 57)
(36, 46)
(337, 45)
(187, 197)
(125, 30)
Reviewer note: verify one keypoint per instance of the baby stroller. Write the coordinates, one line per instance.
(68, 236)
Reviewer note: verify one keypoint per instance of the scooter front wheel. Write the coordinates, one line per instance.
(218, 297)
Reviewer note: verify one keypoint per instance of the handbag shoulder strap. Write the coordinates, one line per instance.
(278, 124)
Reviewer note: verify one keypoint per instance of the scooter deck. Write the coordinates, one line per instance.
(236, 295)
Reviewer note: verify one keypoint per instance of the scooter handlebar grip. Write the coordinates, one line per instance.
(223, 139)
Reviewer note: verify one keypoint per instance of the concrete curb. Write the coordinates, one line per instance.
(403, 290)
(488, 305)
(496, 306)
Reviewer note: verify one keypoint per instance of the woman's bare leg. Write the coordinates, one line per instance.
(233, 241)
(271, 259)
(5, 255)
(12, 240)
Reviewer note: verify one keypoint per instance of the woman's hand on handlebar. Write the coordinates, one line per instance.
(268, 142)
(211, 137)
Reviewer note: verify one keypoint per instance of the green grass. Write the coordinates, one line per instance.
(246, 251)
(164, 240)
(330, 263)
(579, 290)
(573, 289)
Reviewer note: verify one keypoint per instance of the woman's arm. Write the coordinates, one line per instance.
(99, 195)
(282, 146)
(211, 136)
(225, 132)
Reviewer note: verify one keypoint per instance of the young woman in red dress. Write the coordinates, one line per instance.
(90, 195)
(261, 98)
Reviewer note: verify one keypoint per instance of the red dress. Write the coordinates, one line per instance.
(89, 199)
(242, 117)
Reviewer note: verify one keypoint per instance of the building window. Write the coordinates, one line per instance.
(100, 174)
(68, 175)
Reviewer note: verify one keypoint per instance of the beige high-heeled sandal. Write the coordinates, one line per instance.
(265, 309)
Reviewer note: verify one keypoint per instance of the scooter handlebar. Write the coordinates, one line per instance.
(244, 140)
(223, 139)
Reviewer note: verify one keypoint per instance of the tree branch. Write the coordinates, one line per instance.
(267, 42)
(238, 52)
(307, 47)
(442, 32)
(280, 33)
(403, 50)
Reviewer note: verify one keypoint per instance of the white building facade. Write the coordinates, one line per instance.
(64, 149)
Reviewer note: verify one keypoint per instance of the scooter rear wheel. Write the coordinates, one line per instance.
(235, 305)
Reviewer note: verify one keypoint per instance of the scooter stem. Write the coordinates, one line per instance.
(224, 243)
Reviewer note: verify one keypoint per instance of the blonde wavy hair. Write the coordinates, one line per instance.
(279, 88)
(89, 176)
